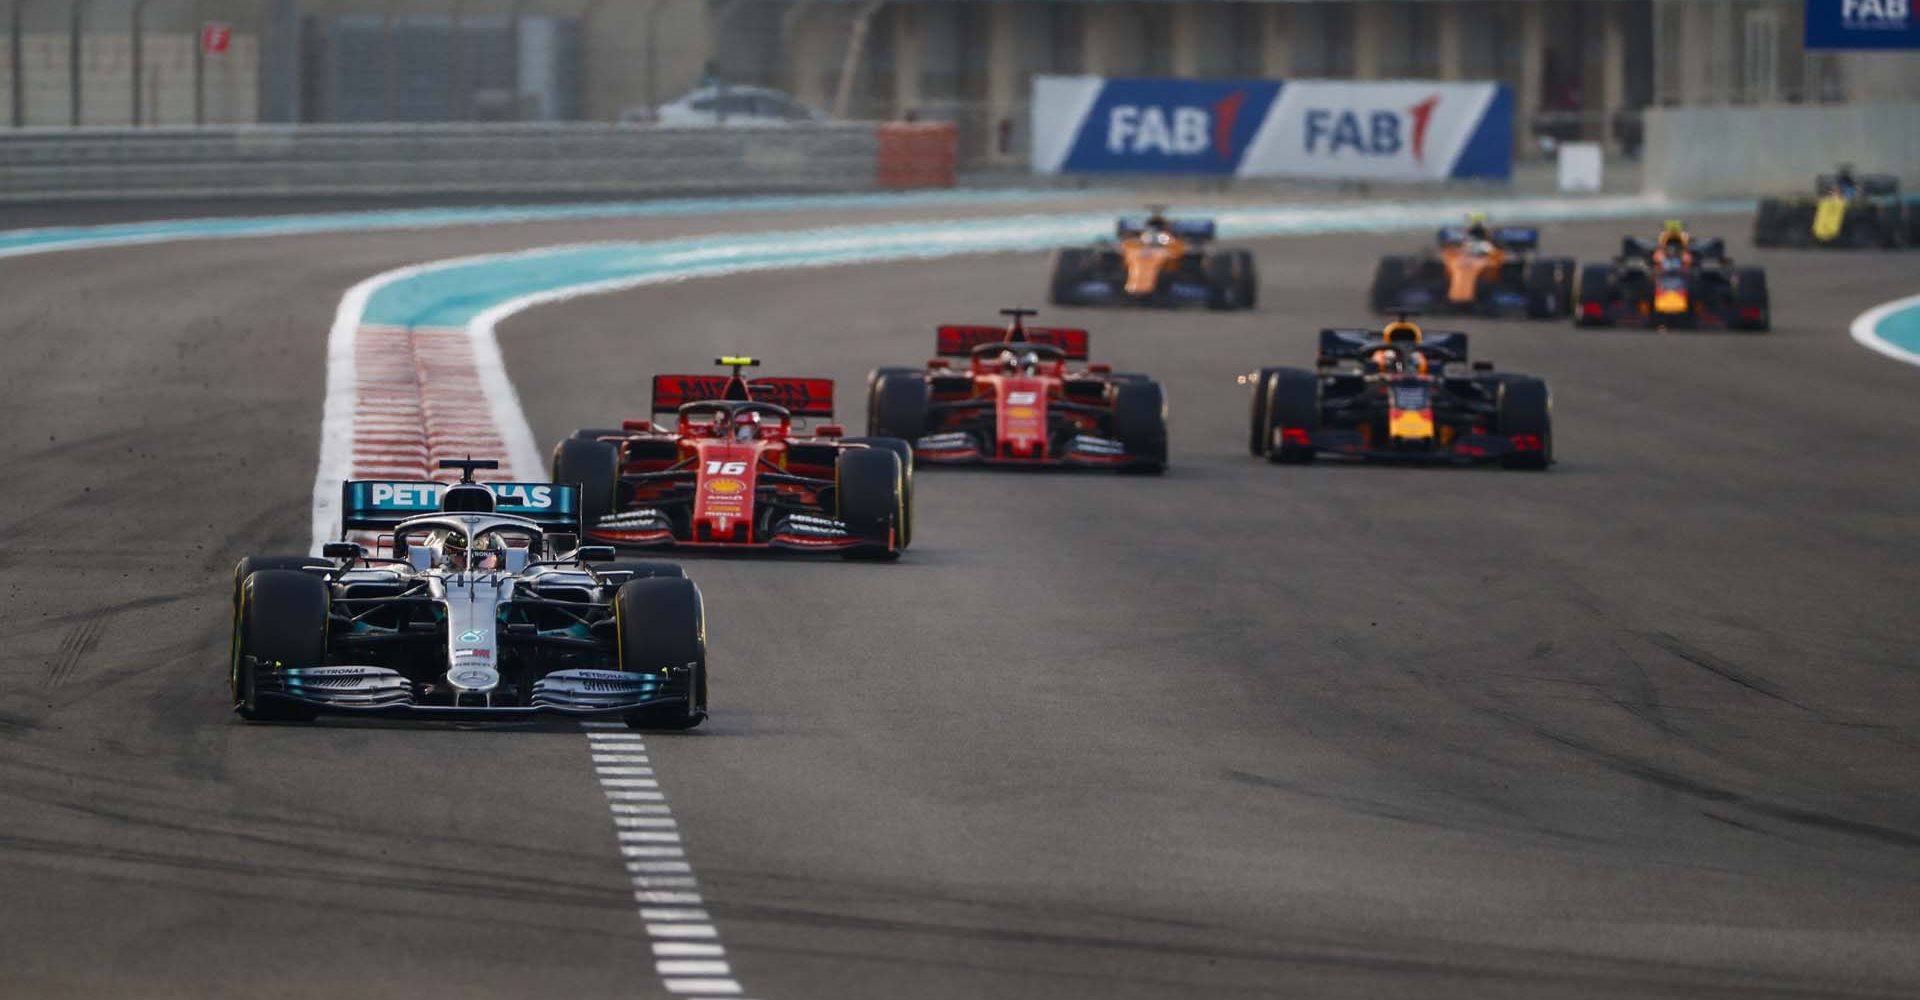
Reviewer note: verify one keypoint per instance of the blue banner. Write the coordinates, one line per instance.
(1862, 24)
(1401, 130)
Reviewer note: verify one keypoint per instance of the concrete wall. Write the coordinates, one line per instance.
(1776, 149)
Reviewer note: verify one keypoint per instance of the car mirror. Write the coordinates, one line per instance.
(1100, 368)
(636, 426)
(939, 364)
(343, 550)
(1483, 366)
(594, 553)
(830, 430)
(1325, 361)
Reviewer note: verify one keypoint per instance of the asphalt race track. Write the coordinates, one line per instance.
(1645, 725)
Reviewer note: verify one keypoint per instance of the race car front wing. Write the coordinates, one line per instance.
(369, 690)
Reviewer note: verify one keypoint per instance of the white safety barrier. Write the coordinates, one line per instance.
(1775, 149)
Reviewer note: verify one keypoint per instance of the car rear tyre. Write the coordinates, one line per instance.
(1293, 403)
(1526, 408)
(595, 433)
(1389, 284)
(281, 619)
(1249, 279)
(595, 465)
(1069, 269)
(897, 407)
(1139, 421)
(661, 625)
(1750, 298)
(1549, 283)
(1223, 282)
(1593, 289)
(869, 495)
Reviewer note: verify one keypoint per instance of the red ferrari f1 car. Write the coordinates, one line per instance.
(733, 472)
(1016, 403)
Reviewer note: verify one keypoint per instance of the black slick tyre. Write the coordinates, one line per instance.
(594, 433)
(660, 625)
(1293, 403)
(1389, 284)
(1593, 289)
(904, 452)
(897, 406)
(870, 500)
(254, 564)
(1222, 282)
(1248, 278)
(1749, 297)
(1526, 408)
(280, 620)
(642, 569)
(1139, 421)
(1069, 269)
(595, 465)
(1257, 431)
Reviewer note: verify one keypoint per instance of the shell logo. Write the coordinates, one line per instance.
(1022, 412)
(725, 487)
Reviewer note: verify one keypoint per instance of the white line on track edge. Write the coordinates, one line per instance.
(1865, 329)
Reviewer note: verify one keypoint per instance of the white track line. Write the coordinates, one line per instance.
(1865, 329)
(688, 955)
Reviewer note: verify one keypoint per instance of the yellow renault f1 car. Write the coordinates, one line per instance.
(1845, 211)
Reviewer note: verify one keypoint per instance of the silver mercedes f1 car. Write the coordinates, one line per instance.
(474, 600)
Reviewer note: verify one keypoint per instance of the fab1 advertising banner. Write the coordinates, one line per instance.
(1862, 24)
(1404, 130)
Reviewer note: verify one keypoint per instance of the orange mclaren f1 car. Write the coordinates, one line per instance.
(1155, 261)
(731, 471)
(1477, 270)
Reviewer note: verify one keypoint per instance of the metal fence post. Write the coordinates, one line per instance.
(75, 28)
(456, 63)
(199, 65)
(139, 52)
(18, 72)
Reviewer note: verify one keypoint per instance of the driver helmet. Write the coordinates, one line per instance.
(1009, 361)
(1386, 361)
(746, 425)
(1477, 226)
(1673, 235)
(449, 548)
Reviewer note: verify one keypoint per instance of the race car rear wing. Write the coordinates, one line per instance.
(959, 341)
(1194, 230)
(1510, 237)
(802, 397)
(381, 504)
(1353, 342)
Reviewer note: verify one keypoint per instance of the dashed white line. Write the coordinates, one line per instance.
(688, 956)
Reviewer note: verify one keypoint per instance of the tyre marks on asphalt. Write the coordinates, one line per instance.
(79, 642)
(687, 953)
